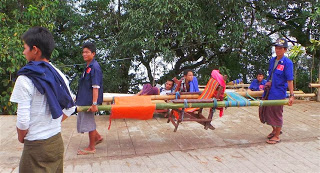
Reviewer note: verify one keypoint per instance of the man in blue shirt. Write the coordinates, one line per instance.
(188, 83)
(90, 93)
(279, 79)
(258, 84)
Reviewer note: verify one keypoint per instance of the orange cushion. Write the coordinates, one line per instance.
(134, 107)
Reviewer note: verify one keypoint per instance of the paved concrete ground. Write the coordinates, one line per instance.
(236, 145)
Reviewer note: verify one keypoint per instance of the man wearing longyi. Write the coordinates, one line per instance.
(280, 78)
(90, 92)
(44, 101)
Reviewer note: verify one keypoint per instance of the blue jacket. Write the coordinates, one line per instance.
(194, 85)
(281, 75)
(48, 81)
(91, 76)
(256, 86)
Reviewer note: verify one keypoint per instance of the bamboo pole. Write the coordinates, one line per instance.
(314, 85)
(296, 92)
(195, 96)
(196, 105)
(230, 86)
(305, 95)
(251, 93)
(238, 86)
(259, 93)
(158, 101)
(160, 97)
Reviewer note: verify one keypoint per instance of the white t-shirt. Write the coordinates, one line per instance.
(164, 91)
(33, 110)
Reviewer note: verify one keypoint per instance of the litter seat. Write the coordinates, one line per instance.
(212, 92)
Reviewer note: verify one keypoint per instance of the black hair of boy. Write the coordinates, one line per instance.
(260, 73)
(41, 38)
(89, 46)
(186, 71)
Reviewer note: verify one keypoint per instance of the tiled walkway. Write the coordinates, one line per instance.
(236, 145)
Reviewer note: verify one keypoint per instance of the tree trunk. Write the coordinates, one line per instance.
(318, 97)
(311, 71)
(295, 75)
(124, 71)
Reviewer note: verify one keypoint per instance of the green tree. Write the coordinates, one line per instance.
(192, 34)
(296, 54)
(203, 35)
(100, 23)
(314, 48)
(15, 18)
(233, 36)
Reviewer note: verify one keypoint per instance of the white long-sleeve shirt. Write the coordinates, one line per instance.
(33, 110)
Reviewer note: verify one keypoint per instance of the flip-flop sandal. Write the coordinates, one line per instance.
(271, 135)
(85, 152)
(211, 127)
(271, 141)
(99, 141)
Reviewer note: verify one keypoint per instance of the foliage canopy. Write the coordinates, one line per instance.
(155, 40)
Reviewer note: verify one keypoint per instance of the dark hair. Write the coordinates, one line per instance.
(171, 81)
(260, 73)
(89, 46)
(186, 71)
(41, 38)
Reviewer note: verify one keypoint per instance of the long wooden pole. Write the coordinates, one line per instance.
(195, 96)
(259, 93)
(305, 95)
(238, 86)
(315, 85)
(160, 97)
(296, 92)
(230, 86)
(197, 105)
(251, 93)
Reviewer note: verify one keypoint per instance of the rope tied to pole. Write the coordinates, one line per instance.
(112, 102)
(177, 95)
(261, 102)
(215, 103)
(248, 95)
(185, 102)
